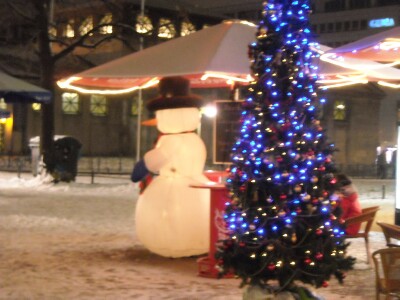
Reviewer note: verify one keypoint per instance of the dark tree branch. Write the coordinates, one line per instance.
(82, 41)
(18, 10)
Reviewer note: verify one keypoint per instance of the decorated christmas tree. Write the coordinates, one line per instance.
(283, 217)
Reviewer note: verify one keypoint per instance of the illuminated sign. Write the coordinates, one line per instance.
(386, 22)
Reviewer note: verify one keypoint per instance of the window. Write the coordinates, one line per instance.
(335, 5)
(363, 24)
(36, 106)
(387, 2)
(86, 25)
(338, 26)
(166, 29)
(322, 28)
(356, 4)
(187, 28)
(330, 27)
(52, 31)
(347, 25)
(339, 110)
(354, 25)
(108, 29)
(98, 105)
(70, 103)
(3, 104)
(69, 31)
(134, 107)
(143, 25)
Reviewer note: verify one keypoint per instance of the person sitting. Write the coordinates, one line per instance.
(349, 202)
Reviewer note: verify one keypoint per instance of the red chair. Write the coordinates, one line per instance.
(366, 219)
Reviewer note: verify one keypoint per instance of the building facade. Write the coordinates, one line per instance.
(339, 22)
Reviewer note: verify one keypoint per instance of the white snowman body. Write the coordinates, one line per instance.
(173, 218)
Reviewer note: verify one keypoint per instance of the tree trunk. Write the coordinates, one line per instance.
(47, 79)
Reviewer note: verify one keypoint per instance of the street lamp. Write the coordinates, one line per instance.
(140, 95)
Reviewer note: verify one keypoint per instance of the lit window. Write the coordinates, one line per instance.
(339, 111)
(69, 29)
(167, 29)
(106, 20)
(3, 104)
(86, 25)
(98, 105)
(187, 28)
(134, 107)
(36, 106)
(143, 25)
(70, 103)
(52, 31)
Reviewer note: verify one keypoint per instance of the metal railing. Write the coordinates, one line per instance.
(102, 166)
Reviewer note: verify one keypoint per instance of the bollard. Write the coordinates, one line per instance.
(92, 177)
(383, 191)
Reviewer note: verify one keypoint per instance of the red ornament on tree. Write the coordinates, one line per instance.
(308, 261)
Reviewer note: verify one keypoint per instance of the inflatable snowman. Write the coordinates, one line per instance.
(172, 218)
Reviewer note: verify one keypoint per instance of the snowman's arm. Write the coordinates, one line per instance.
(139, 171)
(155, 159)
(158, 157)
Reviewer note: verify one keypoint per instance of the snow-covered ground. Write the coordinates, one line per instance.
(77, 241)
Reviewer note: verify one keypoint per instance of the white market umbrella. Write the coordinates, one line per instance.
(218, 52)
(15, 90)
(211, 57)
(383, 46)
(359, 70)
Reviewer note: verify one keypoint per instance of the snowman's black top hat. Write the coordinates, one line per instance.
(174, 93)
